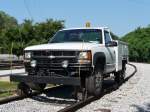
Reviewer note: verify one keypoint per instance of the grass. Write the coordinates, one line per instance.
(7, 88)
(8, 85)
(6, 94)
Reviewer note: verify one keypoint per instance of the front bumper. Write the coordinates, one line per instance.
(46, 79)
(49, 69)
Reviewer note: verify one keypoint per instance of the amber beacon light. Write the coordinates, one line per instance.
(88, 24)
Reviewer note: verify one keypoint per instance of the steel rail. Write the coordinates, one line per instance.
(16, 98)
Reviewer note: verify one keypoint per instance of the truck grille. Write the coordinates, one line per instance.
(47, 65)
(55, 61)
(55, 53)
(44, 60)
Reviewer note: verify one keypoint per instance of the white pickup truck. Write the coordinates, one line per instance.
(81, 57)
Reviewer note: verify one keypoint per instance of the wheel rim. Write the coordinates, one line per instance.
(28, 91)
(123, 73)
(98, 80)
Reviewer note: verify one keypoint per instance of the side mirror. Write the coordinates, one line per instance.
(111, 44)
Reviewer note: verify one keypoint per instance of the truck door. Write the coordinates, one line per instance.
(110, 53)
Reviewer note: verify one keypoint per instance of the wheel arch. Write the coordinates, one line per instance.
(124, 61)
(99, 58)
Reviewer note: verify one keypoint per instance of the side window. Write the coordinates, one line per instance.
(107, 37)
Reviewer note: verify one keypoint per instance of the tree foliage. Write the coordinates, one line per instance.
(114, 37)
(139, 44)
(28, 33)
(6, 21)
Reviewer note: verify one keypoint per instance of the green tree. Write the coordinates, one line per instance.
(115, 37)
(26, 33)
(6, 21)
(139, 44)
(45, 30)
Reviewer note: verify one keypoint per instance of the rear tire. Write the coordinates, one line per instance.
(120, 75)
(94, 82)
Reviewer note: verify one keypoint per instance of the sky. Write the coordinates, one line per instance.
(121, 16)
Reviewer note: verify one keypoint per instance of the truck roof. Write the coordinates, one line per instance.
(101, 28)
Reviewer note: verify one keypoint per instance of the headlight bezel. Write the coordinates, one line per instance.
(85, 55)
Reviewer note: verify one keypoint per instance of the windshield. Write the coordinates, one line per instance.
(78, 35)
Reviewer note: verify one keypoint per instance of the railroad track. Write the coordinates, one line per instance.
(78, 105)
(75, 106)
(16, 98)
(5, 65)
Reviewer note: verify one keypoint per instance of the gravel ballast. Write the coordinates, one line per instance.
(132, 96)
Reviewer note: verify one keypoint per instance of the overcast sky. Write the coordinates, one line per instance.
(121, 16)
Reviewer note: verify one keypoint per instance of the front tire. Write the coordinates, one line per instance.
(94, 82)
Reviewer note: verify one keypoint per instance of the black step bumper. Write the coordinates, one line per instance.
(75, 81)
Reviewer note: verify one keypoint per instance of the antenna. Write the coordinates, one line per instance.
(28, 10)
(11, 53)
(81, 59)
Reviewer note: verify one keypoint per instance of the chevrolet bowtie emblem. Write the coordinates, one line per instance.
(51, 57)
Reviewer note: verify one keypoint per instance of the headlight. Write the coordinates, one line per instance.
(85, 55)
(27, 55)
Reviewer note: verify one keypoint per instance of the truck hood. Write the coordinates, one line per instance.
(63, 46)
